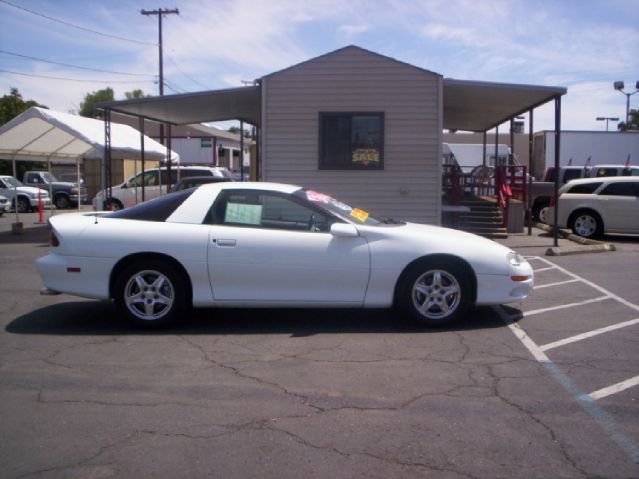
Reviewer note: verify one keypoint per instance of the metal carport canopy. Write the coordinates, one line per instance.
(480, 106)
(468, 105)
(244, 103)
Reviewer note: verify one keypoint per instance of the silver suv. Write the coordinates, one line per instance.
(155, 181)
(594, 206)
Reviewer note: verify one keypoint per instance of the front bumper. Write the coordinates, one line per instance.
(34, 202)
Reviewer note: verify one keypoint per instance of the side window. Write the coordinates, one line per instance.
(619, 189)
(150, 179)
(266, 210)
(585, 188)
(601, 172)
(571, 175)
(189, 173)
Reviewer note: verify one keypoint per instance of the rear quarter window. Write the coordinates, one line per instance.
(158, 209)
(585, 188)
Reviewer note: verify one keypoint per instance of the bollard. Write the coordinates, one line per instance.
(40, 206)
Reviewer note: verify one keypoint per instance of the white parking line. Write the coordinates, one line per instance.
(542, 269)
(605, 420)
(559, 283)
(564, 306)
(591, 284)
(590, 334)
(615, 388)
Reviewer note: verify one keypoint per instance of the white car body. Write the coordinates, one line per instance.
(129, 193)
(349, 265)
(28, 193)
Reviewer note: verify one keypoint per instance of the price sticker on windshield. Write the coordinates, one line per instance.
(359, 214)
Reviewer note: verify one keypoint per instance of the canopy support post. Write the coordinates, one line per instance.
(531, 168)
(107, 157)
(141, 121)
(557, 151)
(241, 150)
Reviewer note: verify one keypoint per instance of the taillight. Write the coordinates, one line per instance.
(553, 199)
(53, 239)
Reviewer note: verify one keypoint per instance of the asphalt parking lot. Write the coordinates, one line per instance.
(546, 388)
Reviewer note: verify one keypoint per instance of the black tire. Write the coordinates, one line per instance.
(62, 202)
(23, 205)
(113, 205)
(435, 292)
(586, 223)
(540, 211)
(151, 293)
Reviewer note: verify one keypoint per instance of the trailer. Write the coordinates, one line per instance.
(584, 148)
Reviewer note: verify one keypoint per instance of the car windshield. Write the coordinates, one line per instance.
(49, 178)
(354, 215)
(12, 182)
(225, 173)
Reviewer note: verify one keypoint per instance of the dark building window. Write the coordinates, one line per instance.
(351, 141)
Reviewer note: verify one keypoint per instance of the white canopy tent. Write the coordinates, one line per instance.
(39, 134)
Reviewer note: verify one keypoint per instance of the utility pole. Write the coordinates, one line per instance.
(160, 12)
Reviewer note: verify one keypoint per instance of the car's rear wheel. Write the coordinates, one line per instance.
(586, 224)
(151, 293)
(113, 205)
(435, 292)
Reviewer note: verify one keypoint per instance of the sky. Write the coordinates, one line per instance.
(56, 51)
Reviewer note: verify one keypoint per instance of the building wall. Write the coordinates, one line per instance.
(355, 80)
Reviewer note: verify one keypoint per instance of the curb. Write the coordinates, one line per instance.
(587, 245)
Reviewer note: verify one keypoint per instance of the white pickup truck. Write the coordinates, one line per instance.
(25, 198)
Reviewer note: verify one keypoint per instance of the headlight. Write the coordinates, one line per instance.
(74, 191)
(515, 259)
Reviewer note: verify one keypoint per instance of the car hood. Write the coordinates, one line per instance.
(484, 255)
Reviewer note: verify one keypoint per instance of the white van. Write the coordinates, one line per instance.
(156, 182)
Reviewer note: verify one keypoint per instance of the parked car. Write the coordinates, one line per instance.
(567, 173)
(193, 181)
(65, 194)
(542, 191)
(155, 182)
(25, 198)
(599, 171)
(5, 205)
(272, 245)
(594, 206)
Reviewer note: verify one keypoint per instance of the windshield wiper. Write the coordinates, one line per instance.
(392, 221)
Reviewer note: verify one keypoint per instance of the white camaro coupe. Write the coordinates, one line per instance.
(273, 245)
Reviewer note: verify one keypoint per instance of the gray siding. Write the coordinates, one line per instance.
(353, 79)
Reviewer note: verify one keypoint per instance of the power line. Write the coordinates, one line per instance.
(101, 80)
(184, 74)
(76, 26)
(73, 66)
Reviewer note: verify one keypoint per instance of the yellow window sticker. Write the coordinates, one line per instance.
(359, 214)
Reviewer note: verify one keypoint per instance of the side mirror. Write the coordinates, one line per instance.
(344, 230)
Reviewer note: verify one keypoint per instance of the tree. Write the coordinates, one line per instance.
(13, 104)
(87, 107)
(633, 124)
(236, 131)
(137, 93)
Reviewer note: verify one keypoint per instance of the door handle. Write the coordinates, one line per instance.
(225, 242)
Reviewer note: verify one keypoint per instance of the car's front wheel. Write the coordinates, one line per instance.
(587, 224)
(435, 292)
(151, 293)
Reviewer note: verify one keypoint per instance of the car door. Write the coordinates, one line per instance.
(620, 205)
(269, 248)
